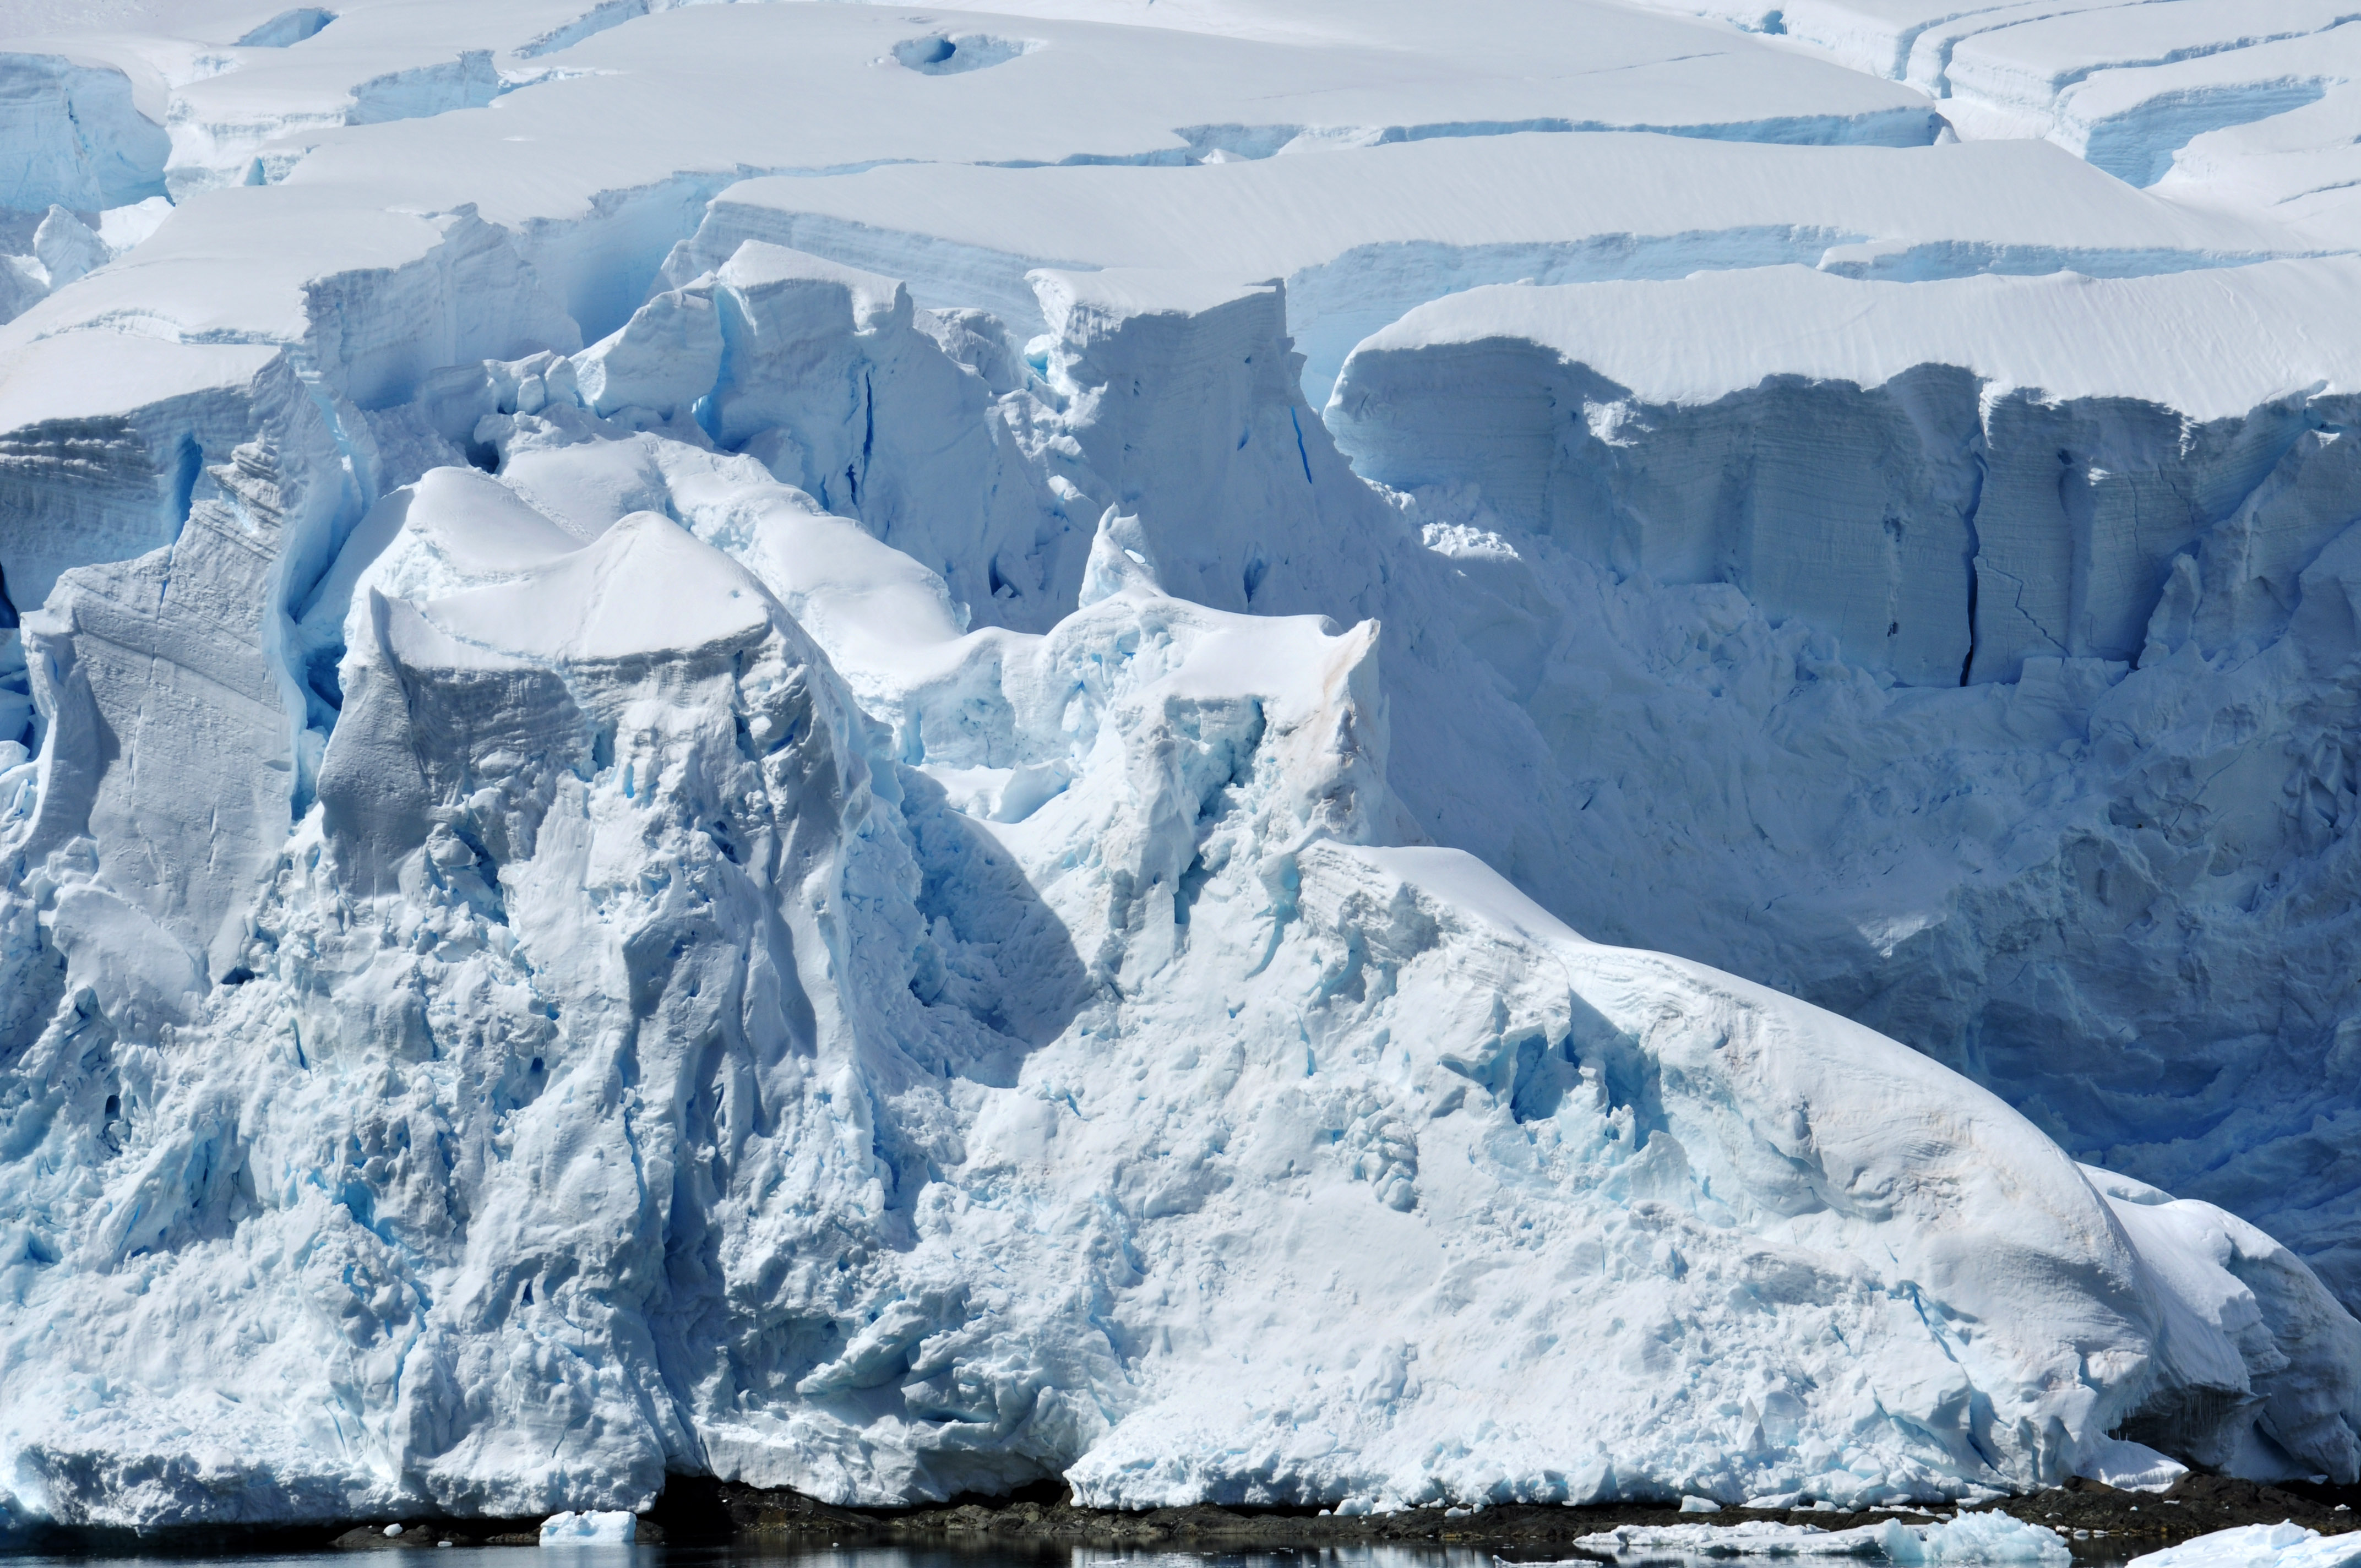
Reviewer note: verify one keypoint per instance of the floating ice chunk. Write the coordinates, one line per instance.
(1699, 1506)
(2281, 1545)
(1758, 1537)
(1990, 1538)
(593, 1528)
(1971, 1538)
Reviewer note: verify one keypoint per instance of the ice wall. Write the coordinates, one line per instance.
(2141, 786)
(1945, 508)
(75, 137)
(1364, 234)
(712, 1010)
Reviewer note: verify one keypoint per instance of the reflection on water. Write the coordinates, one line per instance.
(1021, 1554)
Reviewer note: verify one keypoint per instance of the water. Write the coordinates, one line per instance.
(1015, 1554)
(1023, 1554)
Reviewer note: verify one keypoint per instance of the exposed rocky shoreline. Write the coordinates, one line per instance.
(2101, 1522)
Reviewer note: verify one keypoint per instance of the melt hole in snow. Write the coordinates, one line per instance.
(941, 54)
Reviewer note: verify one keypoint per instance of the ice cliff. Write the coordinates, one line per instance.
(689, 784)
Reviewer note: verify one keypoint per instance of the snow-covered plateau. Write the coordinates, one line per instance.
(858, 747)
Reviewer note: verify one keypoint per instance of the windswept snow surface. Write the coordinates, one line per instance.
(860, 749)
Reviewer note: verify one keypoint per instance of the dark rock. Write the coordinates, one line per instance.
(2117, 1523)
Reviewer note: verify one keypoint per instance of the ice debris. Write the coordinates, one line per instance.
(1970, 1538)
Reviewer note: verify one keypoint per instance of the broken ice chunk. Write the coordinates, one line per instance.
(590, 1528)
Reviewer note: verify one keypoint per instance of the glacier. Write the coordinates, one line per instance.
(895, 754)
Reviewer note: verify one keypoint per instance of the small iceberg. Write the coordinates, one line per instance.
(2281, 1545)
(1971, 1538)
(590, 1529)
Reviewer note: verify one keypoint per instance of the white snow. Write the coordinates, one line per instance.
(706, 765)
(1361, 235)
(2209, 344)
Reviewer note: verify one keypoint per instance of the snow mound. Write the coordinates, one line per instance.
(2258, 1546)
(1991, 1538)
(1759, 1537)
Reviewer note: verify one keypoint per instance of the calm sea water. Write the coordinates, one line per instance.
(1025, 1555)
(997, 1555)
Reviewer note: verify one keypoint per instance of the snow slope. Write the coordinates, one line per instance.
(705, 765)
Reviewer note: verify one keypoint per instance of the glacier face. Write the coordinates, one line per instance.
(2091, 766)
(909, 873)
